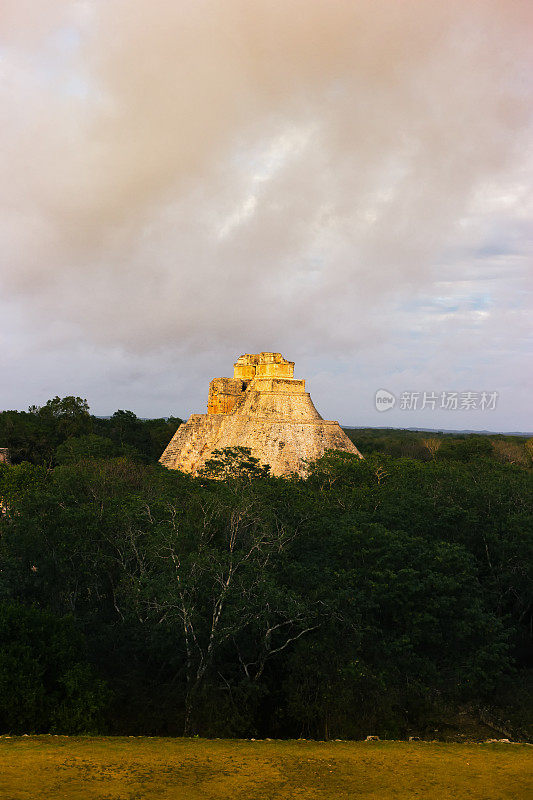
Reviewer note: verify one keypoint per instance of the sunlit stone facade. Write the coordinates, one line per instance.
(265, 408)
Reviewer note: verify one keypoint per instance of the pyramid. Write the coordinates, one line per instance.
(264, 408)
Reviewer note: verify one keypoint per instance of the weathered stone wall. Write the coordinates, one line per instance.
(268, 411)
(223, 394)
(268, 365)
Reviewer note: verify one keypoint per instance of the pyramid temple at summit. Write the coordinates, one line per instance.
(264, 408)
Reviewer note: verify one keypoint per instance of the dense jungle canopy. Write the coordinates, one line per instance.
(387, 596)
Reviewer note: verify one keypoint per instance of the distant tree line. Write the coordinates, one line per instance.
(383, 596)
(64, 430)
(431, 445)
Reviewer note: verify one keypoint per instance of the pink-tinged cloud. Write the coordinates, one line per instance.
(208, 177)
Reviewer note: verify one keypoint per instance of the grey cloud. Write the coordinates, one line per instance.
(190, 177)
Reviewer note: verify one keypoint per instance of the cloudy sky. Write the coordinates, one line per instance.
(347, 182)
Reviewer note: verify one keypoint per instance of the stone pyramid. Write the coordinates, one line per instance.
(265, 408)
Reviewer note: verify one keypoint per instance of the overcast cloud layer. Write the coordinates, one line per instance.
(346, 182)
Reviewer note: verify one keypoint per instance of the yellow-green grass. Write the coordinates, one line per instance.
(145, 768)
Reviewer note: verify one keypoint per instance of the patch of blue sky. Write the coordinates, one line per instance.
(478, 301)
(509, 245)
(66, 39)
(436, 304)
(491, 249)
(77, 86)
(57, 63)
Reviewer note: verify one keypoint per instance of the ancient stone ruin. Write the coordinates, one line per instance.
(4, 455)
(264, 408)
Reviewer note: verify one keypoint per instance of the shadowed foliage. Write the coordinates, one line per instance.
(390, 595)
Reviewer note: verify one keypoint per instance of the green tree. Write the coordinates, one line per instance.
(45, 683)
(234, 463)
(412, 620)
(359, 600)
(208, 574)
(78, 448)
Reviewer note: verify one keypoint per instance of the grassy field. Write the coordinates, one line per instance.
(118, 768)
